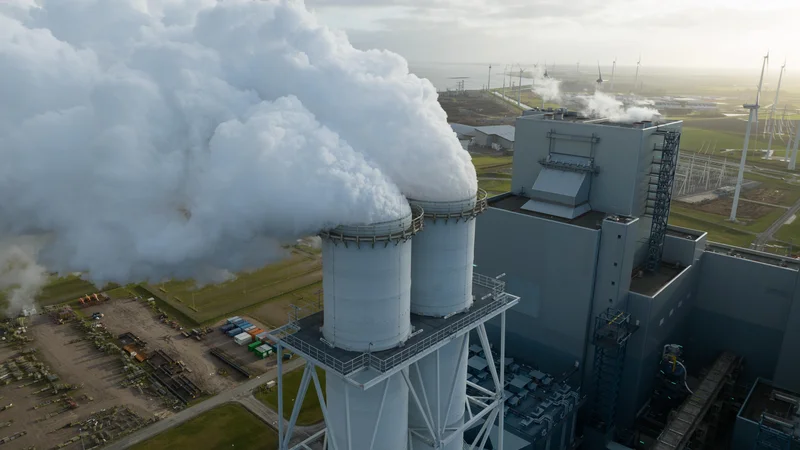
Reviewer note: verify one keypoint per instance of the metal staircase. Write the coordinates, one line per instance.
(612, 330)
(660, 193)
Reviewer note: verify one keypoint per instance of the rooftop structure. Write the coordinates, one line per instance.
(769, 418)
(499, 137)
(576, 236)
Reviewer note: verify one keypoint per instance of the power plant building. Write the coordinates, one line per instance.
(625, 332)
(576, 240)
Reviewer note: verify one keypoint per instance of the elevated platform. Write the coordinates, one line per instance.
(304, 337)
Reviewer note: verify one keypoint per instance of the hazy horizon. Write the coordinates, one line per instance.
(719, 34)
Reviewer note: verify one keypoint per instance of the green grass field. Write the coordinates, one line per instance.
(692, 139)
(225, 427)
(716, 232)
(484, 163)
(300, 271)
(310, 412)
(790, 233)
(59, 290)
(495, 186)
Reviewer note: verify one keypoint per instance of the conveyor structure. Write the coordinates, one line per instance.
(678, 432)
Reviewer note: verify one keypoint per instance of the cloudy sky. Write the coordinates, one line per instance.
(698, 33)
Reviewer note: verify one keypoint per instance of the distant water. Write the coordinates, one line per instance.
(443, 76)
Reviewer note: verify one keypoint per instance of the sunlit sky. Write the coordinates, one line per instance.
(691, 33)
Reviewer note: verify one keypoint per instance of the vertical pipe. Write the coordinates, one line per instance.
(501, 420)
(740, 178)
(280, 396)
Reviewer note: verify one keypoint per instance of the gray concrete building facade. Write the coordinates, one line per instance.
(572, 238)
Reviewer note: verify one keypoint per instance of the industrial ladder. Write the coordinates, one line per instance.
(611, 332)
(772, 438)
(663, 197)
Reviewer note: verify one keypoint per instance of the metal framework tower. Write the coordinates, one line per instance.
(773, 435)
(663, 197)
(612, 329)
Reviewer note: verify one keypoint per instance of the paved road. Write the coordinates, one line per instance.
(271, 417)
(238, 393)
(766, 236)
(763, 203)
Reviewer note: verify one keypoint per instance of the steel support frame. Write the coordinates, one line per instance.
(438, 434)
(435, 433)
(512, 301)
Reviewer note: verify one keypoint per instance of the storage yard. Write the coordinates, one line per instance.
(110, 366)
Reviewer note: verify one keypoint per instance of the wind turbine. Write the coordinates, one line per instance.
(760, 84)
(613, 69)
(771, 120)
(636, 79)
(753, 116)
(599, 77)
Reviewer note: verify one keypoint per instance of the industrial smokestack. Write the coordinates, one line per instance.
(441, 270)
(367, 300)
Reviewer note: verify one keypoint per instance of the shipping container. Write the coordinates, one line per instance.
(255, 332)
(237, 321)
(246, 329)
(245, 324)
(234, 319)
(253, 346)
(262, 336)
(263, 351)
(243, 339)
(234, 332)
(227, 327)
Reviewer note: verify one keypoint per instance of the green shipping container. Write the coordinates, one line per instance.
(253, 346)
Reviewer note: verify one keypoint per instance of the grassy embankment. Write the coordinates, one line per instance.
(310, 412)
(225, 427)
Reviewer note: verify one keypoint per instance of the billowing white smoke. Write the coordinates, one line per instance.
(21, 278)
(606, 106)
(186, 138)
(546, 87)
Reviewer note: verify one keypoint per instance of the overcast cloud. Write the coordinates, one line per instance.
(709, 33)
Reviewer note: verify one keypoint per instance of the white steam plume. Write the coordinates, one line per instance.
(186, 138)
(21, 278)
(606, 106)
(546, 87)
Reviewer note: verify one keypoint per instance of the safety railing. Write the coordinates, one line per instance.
(499, 300)
(392, 231)
(396, 359)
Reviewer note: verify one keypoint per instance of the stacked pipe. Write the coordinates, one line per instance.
(441, 269)
(367, 303)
